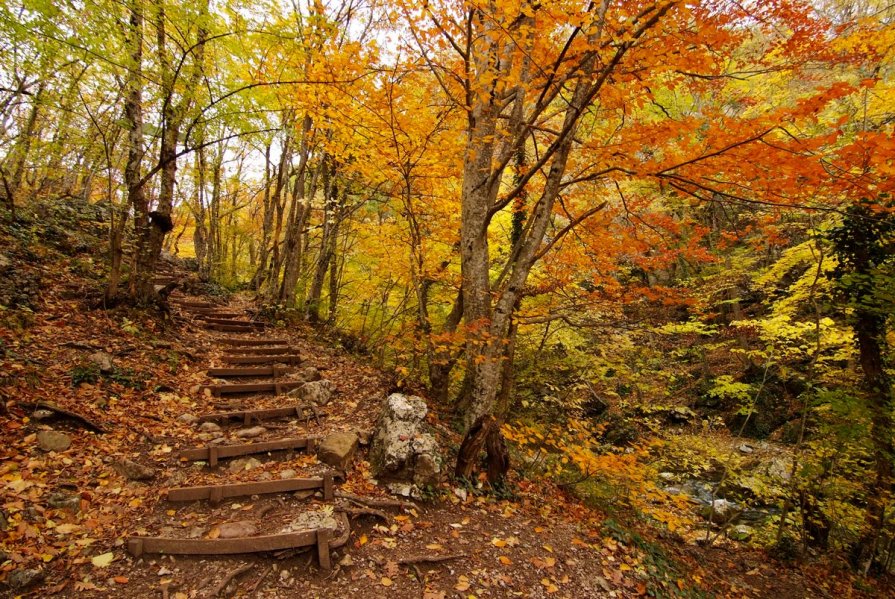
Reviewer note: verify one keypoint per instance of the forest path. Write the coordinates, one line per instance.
(74, 512)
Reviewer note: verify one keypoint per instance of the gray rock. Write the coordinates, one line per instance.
(720, 511)
(233, 530)
(317, 392)
(42, 414)
(64, 501)
(746, 448)
(667, 476)
(681, 414)
(243, 464)
(402, 449)
(309, 374)
(216, 436)
(741, 533)
(779, 468)
(102, 360)
(337, 450)
(19, 579)
(251, 433)
(134, 471)
(53, 441)
(188, 419)
(288, 473)
(209, 427)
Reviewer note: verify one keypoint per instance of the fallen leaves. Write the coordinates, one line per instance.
(103, 560)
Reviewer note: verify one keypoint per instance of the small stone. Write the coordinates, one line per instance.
(19, 579)
(163, 571)
(195, 389)
(303, 494)
(243, 464)
(209, 427)
(53, 441)
(460, 493)
(195, 532)
(64, 501)
(251, 433)
(188, 419)
(741, 533)
(337, 450)
(720, 511)
(746, 448)
(134, 471)
(346, 561)
(42, 414)
(103, 360)
(309, 374)
(233, 530)
(288, 473)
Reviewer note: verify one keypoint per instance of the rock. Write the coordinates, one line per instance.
(102, 360)
(745, 448)
(337, 450)
(243, 464)
(741, 533)
(309, 374)
(188, 419)
(53, 441)
(460, 493)
(64, 501)
(42, 414)
(667, 476)
(133, 470)
(19, 579)
(402, 449)
(196, 532)
(288, 473)
(364, 437)
(303, 494)
(234, 530)
(720, 511)
(251, 433)
(209, 427)
(313, 519)
(216, 436)
(317, 392)
(681, 414)
(404, 490)
(779, 468)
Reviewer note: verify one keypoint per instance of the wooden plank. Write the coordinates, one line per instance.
(213, 453)
(281, 359)
(233, 388)
(272, 341)
(215, 314)
(273, 371)
(227, 328)
(192, 303)
(137, 546)
(231, 321)
(247, 416)
(271, 350)
(215, 493)
(323, 538)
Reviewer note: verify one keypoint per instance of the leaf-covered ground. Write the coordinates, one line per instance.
(68, 514)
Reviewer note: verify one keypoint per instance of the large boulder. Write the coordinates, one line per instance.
(402, 449)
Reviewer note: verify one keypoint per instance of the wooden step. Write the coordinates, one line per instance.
(272, 341)
(273, 371)
(216, 314)
(213, 453)
(321, 537)
(249, 416)
(234, 388)
(276, 359)
(217, 493)
(228, 328)
(234, 322)
(191, 303)
(264, 351)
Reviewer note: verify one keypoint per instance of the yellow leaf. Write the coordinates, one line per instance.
(548, 548)
(462, 584)
(434, 546)
(103, 560)
(386, 581)
(362, 540)
(498, 542)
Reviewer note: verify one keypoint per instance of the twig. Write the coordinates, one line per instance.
(374, 501)
(254, 588)
(429, 559)
(362, 511)
(264, 509)
(54, 408)
(233, 574)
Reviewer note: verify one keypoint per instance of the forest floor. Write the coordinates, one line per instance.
(67, 514)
